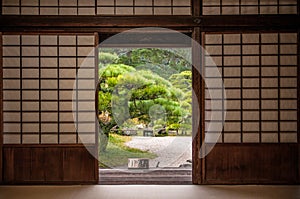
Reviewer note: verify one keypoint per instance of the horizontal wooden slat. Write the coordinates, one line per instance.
(15, 23)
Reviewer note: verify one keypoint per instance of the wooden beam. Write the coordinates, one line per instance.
(197, 7)
(197, 108)
(1, 7)
(96, 152)
(95, 21)
(84, 23)
(253, 22)
(1, 112)
(298, 7)
(298, 104)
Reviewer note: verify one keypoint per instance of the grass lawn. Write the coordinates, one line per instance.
(117, 153)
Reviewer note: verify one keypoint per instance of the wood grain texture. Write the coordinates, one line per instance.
(298, 7)
(1, 108)
(53, 165)
(298, 102)
(197, 8)
(21, 164)
(49, 165)
(78, 165)
(8, 160)
(206, 23)
(38, 164)
(197, 108)
(226, 164)
(96, 162)
(252, 164)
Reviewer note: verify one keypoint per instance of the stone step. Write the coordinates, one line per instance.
(164, 176)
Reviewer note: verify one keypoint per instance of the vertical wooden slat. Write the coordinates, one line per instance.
(78, 164)
(96, 35)
(38, 162)
(53, 165)
(77, 87)
(197, 108)
(40, 91)
(202, 101)
(8, 165)
(58, 89)
(278, 80)
(298, 90)
(241, 79)
(222, 75)
(260, 86)
(196, 7)
(1, 110)
(22, 164)
(96, 6)
(21, 93)
(72, 159)
(86, 169)
(1, 7)
(39, 7)
(298, 7)
(77, 8)
(298, 101)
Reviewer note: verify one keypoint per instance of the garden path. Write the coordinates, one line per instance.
(170, 151)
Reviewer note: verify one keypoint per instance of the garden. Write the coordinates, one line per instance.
(141, 92)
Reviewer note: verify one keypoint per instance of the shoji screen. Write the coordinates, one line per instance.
(244, 7)
(48, 7)
(260, 78)
(96, 7)
(144, 7)
(39, 73)
(47, 108)
(259, 71)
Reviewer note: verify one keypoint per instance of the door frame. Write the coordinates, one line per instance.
(195, 34)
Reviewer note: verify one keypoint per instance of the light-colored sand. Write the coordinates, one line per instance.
(170, 151)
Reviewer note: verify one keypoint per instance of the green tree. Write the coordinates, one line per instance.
(107, 81)
(107, 58)
(163, 62)
(134, 85)
(124, 88)
(183, 81)
(145, 89)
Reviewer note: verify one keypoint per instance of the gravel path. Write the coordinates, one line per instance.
(170, 151)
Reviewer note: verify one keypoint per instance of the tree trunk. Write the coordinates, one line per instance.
(104, 134)
(103, 141)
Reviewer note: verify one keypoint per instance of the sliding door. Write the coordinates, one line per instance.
(48, 109)
(259, 104)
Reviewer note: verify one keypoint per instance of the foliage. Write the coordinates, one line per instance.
(128, 90)
(108, 80)
(183, 81)
(107, 58)
(117, 153)
(163, 62)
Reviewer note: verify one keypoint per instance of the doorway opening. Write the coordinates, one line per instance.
(145, 114)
